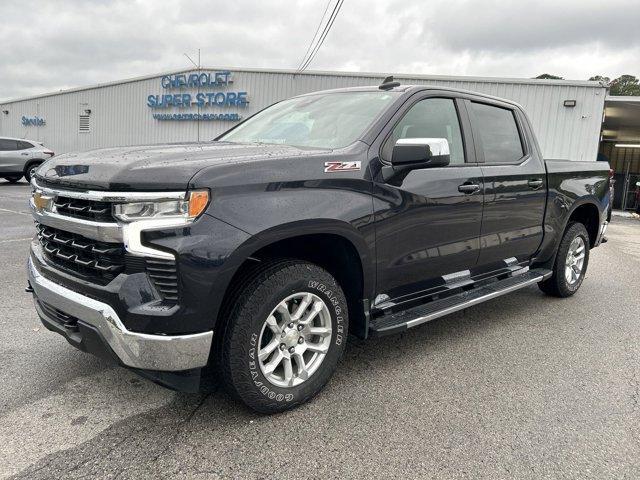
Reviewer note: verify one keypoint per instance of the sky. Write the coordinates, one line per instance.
(49, 45)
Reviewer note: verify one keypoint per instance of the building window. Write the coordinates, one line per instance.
(85, 124)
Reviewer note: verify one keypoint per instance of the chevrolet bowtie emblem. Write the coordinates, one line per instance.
(41, 202)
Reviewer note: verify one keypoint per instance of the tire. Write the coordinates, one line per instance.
(13, 179)
(246, 334)
(558, 285)
(30, 169)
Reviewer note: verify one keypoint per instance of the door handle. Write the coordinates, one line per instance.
(535, 183)
(468, 188)
(25, 154)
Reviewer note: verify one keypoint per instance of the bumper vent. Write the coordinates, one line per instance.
(101, 262)
(67, 321)
(85, 209)
(164, 276)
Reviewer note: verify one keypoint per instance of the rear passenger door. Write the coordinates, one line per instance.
(514, 184)
(9, 155)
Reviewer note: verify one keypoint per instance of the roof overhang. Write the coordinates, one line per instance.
(401, 77)
(622, 120)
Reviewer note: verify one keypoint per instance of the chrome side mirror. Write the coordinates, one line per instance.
(421, 153)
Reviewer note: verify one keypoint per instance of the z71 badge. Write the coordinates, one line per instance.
(331, 167)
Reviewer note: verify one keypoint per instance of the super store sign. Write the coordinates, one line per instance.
(212, 91)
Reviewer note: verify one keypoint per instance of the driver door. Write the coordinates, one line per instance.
(427, 223)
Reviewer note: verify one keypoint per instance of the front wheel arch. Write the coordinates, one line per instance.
(30, 164)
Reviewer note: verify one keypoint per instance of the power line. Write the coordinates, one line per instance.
(324, 34)
(315, 34)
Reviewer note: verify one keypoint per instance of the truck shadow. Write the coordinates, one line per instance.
(371, 378)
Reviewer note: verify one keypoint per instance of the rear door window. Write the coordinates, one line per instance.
(8, 145)
(498, 132)
(24, 145)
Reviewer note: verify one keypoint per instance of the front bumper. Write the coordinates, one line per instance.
(169, 353)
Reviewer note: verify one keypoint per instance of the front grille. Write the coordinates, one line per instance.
(86, 209)
(101, 262)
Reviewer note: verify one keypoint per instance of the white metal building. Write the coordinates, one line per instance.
(192, 105)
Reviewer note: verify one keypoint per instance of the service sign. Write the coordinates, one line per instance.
(198, 96)
(33, 122)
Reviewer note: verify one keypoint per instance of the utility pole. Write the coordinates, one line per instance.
(199, 67)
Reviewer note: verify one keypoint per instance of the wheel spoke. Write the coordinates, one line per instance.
(273, 324)
(317, 308)
(576, 270)
(283, 310)
(314, 347)
(264, 353)
(302, 307)
(288, 371)
(273, 363)
(320, 331)
(303, 373)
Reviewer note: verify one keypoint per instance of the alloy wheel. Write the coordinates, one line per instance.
(295, 339)
(575, 261)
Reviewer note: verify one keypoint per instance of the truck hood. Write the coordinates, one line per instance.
(153, 167)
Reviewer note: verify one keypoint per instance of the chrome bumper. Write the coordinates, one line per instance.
(136, 350)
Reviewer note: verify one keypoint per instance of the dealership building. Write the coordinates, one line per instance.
(199, 104)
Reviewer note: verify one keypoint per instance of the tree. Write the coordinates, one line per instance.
(625, 85)
(548, 76)
(600, 78)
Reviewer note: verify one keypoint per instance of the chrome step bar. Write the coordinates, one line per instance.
(412, 317)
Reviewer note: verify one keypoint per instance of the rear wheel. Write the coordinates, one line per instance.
(571, 263)
(13, 179)
(284, 336)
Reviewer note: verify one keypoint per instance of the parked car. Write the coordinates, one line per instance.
(362, 210)
(20, 158)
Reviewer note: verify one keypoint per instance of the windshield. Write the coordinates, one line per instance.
(332, 120)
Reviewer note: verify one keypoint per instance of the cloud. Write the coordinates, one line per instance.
(48, 46)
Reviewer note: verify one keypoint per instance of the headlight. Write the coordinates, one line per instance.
(187, 209)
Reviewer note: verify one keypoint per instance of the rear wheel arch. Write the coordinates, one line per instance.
(588, 214)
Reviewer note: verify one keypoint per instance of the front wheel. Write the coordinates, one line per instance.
(284, 336)
(571, 263)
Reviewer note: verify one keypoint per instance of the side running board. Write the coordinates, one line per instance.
(412, 317)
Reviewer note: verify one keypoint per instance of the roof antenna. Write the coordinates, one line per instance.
(388, 83)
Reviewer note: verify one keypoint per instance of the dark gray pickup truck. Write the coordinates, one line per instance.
(364, 210)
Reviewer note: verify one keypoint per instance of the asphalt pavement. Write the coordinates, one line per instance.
(524, 386)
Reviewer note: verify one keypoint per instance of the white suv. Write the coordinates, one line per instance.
(19, 157)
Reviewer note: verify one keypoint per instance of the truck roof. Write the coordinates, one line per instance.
(410, 89)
